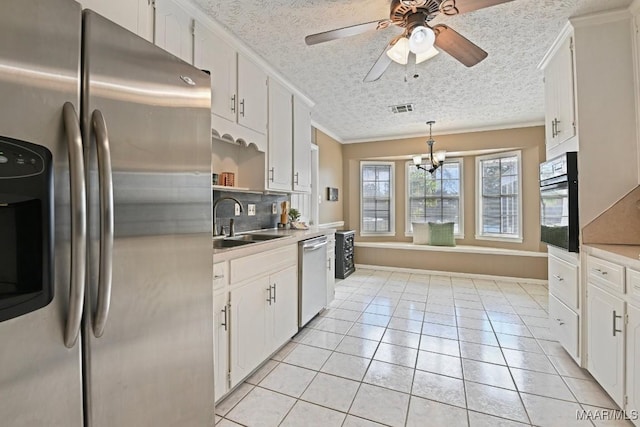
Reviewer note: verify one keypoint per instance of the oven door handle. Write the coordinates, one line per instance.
(77, 186)
(105, 179)
(554, 186)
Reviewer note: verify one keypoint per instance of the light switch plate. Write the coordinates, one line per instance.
(251, 209)
(274, 208)
(237, 210)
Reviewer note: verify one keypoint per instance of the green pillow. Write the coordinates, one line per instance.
(441, 234)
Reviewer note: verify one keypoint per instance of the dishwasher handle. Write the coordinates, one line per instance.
(314, 244)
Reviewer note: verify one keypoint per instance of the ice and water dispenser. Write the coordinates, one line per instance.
(26, 227)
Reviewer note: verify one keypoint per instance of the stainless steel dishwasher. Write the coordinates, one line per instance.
(312, 278)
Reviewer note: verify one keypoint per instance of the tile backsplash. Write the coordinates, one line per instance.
(263, 217)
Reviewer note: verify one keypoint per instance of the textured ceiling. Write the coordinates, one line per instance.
(504, 90)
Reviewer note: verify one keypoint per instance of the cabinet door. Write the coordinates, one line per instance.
(135, 16)
(301, 146)
(280, 154)
(605, 335)
(550, 103)
(212, 53)
(249, 331)
(284, 308)
(252, 96)
(633, 360)
(331, 274)
(221, 322)
(174, 30)
(565, 127)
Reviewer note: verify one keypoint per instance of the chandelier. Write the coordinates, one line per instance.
(435, 159)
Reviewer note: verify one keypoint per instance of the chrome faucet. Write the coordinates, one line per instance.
(215, 208)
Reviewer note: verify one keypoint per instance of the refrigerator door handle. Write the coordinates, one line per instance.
(105, 178)
(78, 224)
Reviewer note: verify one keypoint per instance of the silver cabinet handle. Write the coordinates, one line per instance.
(233, 103)
(224, 322)
(242, 107)
(296, 178)
(604, 273)
(558, 277)
(105, 178)
(78, 224)
(560, 322)
(272, 173)
(218, 276)
(269, 300)
(274, 292)
(615, 316)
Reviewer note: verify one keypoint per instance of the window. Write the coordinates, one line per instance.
(435, 197)
(499, 202)
(376, 200)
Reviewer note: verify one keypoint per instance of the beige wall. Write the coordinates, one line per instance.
(530, 140)
(330, 175)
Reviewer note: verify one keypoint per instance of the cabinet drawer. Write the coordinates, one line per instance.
(633, 283)
(564, 325)
(563, 281)
(220, 275)
(605, 273)
(256, 265)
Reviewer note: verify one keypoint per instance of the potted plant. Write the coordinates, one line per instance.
(294, 214)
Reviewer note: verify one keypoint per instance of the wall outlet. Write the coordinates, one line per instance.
(251, 208)
(237, 210)
(274, 209)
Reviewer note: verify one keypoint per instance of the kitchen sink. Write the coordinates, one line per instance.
(230, 243)
(258, 237)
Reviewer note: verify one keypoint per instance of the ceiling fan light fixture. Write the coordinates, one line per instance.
(421, 57)
(400, 51)
(421, 40)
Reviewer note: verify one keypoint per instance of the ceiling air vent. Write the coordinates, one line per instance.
(402, 108)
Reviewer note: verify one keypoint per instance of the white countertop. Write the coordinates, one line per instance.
(290, 237)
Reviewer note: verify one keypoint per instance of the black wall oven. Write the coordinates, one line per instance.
(559, 225)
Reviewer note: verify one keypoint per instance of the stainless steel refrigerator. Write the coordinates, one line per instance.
(127, 337)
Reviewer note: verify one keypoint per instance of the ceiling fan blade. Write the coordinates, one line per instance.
(381, 64)
(346, 32)
(457, 7)
(458, 46)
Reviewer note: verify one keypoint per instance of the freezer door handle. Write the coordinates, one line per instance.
(105, 179)
(78, 224)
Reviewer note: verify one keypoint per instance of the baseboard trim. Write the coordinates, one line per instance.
(452, 274)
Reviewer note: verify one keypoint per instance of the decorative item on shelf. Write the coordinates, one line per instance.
(435, 159)
(332, 194)
(227, 179)
(214, 178)
(294, 215)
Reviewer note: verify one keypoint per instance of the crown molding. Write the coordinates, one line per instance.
(600, 18)
(326, 131)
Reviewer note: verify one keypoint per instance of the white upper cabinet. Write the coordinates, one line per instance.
(301, 146)
(252, 95)
(134, 15)
(213, 54)
(560, 123)
(174, 30)
(280, 156)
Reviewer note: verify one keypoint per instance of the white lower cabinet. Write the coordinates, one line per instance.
(605, 337)
(263, 300)
(564, 325)
(249, 327)
(633, 361)
(221, 322)
(331, 268)
(282, 313)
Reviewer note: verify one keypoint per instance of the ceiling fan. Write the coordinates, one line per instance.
(418, 37)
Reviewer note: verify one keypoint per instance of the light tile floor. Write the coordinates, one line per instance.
(402, 349)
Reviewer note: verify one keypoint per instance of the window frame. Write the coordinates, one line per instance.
(408, 232)
(392, 199)
(479, 235)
